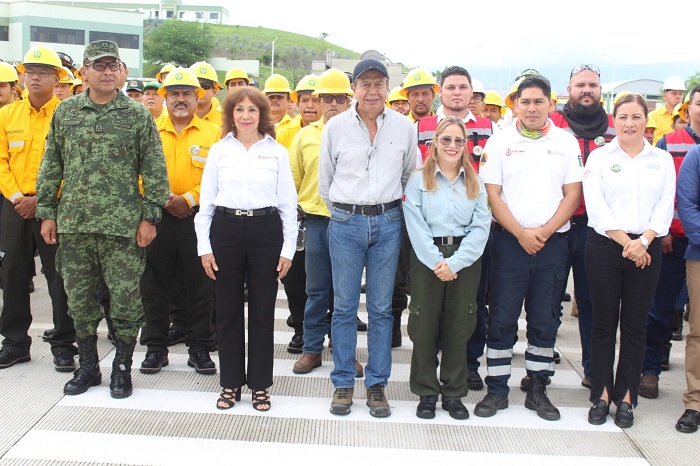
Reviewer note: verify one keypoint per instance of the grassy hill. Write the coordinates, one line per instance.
(293, 52)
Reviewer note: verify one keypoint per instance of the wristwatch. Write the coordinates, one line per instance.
(644, 241)
(152, 221)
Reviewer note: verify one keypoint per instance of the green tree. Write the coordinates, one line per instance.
(693, 80)
(179, 42)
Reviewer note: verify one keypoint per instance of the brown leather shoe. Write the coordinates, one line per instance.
(306, 363)
(359, 371)
(649, 386)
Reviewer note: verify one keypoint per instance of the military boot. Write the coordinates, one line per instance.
(537, 400)
(88, 374)
(120, 385)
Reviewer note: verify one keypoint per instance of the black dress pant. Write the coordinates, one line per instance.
(252, 246)
(175, 247)
(20, 238)
(621, 293)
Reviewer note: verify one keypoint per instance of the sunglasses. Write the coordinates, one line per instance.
(205, 86)
(580, 68)
(341, 99)
(447, 141)
(99, 65)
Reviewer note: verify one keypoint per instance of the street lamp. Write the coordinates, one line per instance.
(272, 63)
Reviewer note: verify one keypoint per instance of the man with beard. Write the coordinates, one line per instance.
(186, 142)
(584, 117)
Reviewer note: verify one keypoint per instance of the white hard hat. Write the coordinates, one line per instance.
(478, 87)
(674, 83)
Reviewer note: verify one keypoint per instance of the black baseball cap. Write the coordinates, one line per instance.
(369, 64)
(135, 85)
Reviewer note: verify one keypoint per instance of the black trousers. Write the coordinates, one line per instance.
(178, 302)
(295, 289)
(175, 247)
(252, 246)
(20, 239)
(620, 293)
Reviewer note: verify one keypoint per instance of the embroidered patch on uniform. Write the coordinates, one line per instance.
(653, 166)
(98, 128)
(477, 150)
(266, 157)
(483, 159)
(616, 168)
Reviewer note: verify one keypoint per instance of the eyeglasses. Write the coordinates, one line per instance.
(40, 73)
(371, 150)
(205, 86)
(580, 68)
(477, 99)
(99, 65)
(341, 99)
(447, 141)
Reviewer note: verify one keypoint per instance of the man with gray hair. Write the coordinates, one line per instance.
(367, 154)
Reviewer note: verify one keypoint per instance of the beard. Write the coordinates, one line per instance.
(586, 109)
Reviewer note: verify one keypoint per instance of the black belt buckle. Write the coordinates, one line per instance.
(369, 210)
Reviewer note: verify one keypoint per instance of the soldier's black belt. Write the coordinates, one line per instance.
(447, 240)
(367, 210)
(247, 213)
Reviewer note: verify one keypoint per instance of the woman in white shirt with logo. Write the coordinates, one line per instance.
(629, 186)
(246, 226)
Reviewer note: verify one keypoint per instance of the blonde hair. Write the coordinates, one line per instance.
(470, 179)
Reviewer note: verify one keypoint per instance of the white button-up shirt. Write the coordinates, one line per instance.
(629, 194)
(243, 179)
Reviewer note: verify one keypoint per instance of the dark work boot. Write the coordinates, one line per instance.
(120, 386)
(396, 330)
(88, 374)
(537, 400)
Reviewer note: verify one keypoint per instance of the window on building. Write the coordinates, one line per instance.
(5, 33)
(126, 41)
(199, 14)
(182, 14)
(213, 15)
(56, 35)
(169, 13)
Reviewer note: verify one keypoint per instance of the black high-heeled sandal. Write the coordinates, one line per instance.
(228, 398)
(261, 400)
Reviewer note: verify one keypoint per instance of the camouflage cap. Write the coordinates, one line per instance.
(100, 49)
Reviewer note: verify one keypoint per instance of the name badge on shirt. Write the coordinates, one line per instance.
(653, 166)
(194, 150)
(616, 168)
(599, 141)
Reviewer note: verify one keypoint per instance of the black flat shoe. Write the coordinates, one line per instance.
(456, 409)
(598, 413)
(426, 407)
(688, 423)
(624, 417)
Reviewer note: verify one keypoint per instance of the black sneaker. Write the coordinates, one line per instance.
(490, 405)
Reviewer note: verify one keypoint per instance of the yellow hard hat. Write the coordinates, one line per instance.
(493, 98)
(43, 55)
(236, 73)
(276, 84)
(76, 82)
(166, 69)
(68, 79)
(181, 77)
(553, 96)
(510, 98)
(419, 77)
(620, 95)
(394, 95)
(204, 70)
(651, 123)
(307, 83)
(677, 112)
(8, 73)
(333, 81)
(683, 110)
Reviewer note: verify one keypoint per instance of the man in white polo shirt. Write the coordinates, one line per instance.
(532, 172)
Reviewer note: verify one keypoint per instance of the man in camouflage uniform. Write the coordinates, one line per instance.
(99, 144)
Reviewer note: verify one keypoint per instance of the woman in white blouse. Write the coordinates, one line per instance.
(629, 186)
(246, 226)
